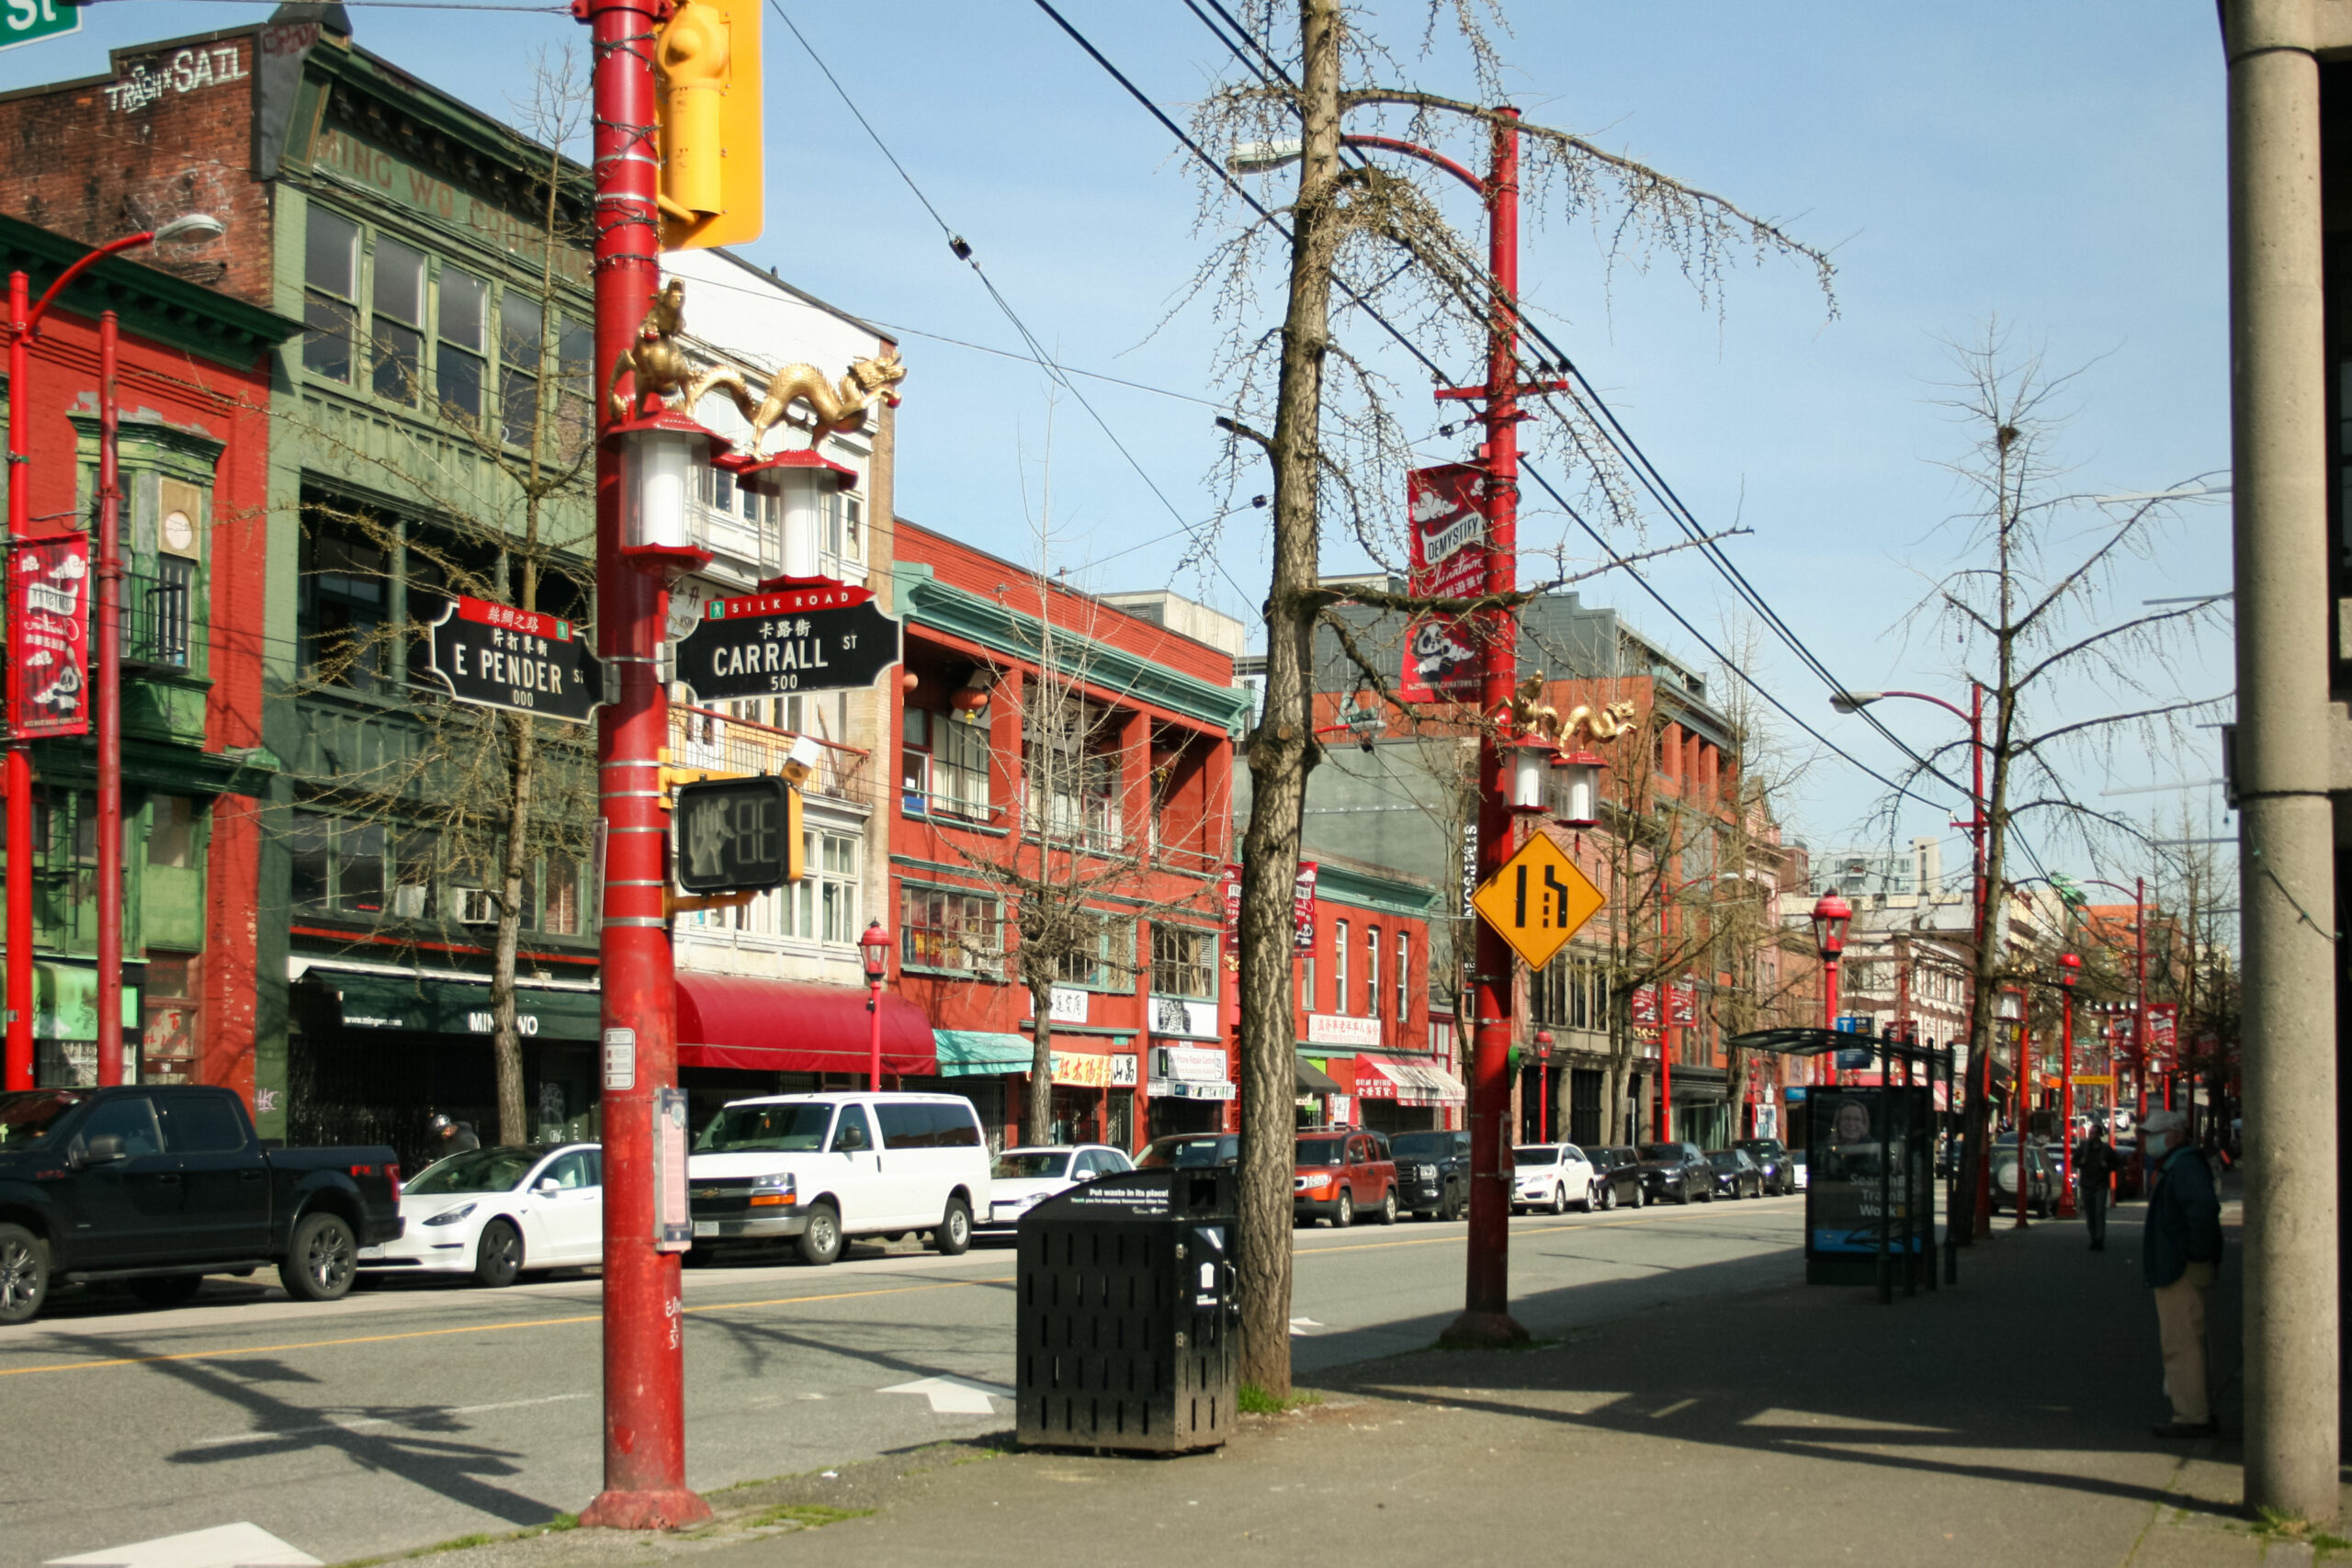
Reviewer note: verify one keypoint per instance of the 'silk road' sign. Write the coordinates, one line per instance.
(496, 656)
(803, 640)
(1538, 900)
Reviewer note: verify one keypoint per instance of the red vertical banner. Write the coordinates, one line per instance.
(48, 635)
(1446, 543)
(1303, 905)
(1643, 1013)
(1230, 940)
(2164, 1035)
(1682, 1006)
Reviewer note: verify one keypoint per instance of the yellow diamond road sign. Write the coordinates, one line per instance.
(1538, 900)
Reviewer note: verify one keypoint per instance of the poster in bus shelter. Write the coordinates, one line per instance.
(1445, 525)
(49, 641)
(1850, 1132)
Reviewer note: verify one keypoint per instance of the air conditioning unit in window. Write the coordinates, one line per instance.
(476, 906)
(409, 900)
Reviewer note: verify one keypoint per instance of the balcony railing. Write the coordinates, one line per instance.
(700, 738)
(158, 622)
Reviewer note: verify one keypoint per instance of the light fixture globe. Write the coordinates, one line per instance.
(801, 484)
(1831, 916)
(1530, 758)
(659, 454)
(1580, 788)
(873, 953)
(189, 228)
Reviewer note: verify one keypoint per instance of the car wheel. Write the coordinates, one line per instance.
(1454, 1207)
(1345, 1214)
(1639, 1199)
(1608, 1195)
(498, 1257)
(1559, 1199)
(24, 1274)
(167, 1290)
(952, 1237)
(1389, 1208)
(822, 1242)
(320, 1261)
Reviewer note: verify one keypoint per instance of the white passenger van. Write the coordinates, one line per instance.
(826, 1167)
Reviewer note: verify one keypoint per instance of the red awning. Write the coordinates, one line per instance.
(795, 1026)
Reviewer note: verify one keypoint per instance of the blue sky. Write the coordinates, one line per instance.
(2059, 165)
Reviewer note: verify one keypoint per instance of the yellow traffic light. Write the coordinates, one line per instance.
(712, 170)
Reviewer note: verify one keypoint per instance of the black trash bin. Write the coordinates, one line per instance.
(1127, 1322)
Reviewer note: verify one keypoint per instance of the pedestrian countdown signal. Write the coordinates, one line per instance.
(1537, 900)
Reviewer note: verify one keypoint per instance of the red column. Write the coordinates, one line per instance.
(1486, 1315)
(19, 1064)
(645, 1459)
(109, 706)
(2066, 1105)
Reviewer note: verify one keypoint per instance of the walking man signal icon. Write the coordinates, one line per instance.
(1538, 900)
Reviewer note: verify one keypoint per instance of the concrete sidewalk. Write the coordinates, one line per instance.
(2005, 1422)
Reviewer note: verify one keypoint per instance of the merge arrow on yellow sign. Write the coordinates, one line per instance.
(1538, 900)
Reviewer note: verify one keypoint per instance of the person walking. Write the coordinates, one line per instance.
(455, 1137)
(2095, 1164)
(2179, 1255)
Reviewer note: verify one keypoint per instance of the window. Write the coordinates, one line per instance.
(346, 584)
(416, 857)
(204, 1124)
(521, 326)
(575, 421)
(461, 363)
(562, 913)
(1340, 966)
(1070, 774)
(942, 928)
(1306, 982)
(131, 1119)
(945, 763)
(841, 540)
(821, 906)
(171, 831)
(1183, 962)
(1102, 957)
(396, 328)
(1372, 972)
(338, 863)
(330, 294)
(1404, 973)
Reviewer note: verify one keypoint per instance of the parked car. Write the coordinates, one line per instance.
(162, 1184)
(498, 1211)
(1341, 1171)
(1771, 1157)
(819, 1168)
(1432, 1173)
(1190, 1151)
(1619, 1166)
(1677, 1171)
(2042, 1177)
(1736, 1176)
(1552, 1175)
(1800, 1163)
(1022, 1178)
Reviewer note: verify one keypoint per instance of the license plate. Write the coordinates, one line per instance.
(705, 1227)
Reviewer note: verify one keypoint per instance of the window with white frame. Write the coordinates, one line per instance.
(1339, 966)
(949, 928)
(1403, 972)
(1372, 972)
(943, 763)
(821, 906)
(1183, 962)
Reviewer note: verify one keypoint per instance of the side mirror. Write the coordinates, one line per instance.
(850, 1139)
(103, 1149)
(548, 1187)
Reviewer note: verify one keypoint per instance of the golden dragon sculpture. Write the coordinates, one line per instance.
(1534, 715)
(659, 369)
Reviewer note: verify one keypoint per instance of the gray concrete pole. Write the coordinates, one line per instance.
(2279, 448)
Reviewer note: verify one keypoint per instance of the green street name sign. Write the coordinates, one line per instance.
(29, 21)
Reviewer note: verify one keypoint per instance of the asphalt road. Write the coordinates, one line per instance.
(419, 1412)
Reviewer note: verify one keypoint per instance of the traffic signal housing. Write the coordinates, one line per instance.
(738, 835)
(713, 171)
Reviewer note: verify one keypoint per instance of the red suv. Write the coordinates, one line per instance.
(1342, 1170)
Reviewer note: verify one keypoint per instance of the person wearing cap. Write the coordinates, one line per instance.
(455, 1137)
(2179, 1255)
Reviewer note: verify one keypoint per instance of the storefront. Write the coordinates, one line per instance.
(65, 1024)
(741, 1036)
(1403, 1095)
(1190, 1090)
(1324, 1099)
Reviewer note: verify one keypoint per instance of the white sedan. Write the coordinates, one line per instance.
(1026, 1178)
(494, 1213)
(1552, 1176)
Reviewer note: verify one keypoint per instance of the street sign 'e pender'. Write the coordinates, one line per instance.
(827, 639)
(496, 656)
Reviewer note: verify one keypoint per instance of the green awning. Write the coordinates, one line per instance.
(65, 1002)
(426, 1005)
(968, 1051)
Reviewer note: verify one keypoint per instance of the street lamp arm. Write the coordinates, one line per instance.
(1952, 709)
(41, 308)
(1414, 150)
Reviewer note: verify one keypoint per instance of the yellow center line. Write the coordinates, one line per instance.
(477, 1328)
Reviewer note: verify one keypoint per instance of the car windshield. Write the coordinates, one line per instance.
(1044, 1166)
(798, 1128)
(1662, 1151)
(1321, 1151)
(1194, 1152)
(479, 1171)
(1536, 1154)
(27, 1117)
(1724, 1159)
(1753, 1146)
(1423, 1146)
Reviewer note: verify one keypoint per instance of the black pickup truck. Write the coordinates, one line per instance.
(163, 1184)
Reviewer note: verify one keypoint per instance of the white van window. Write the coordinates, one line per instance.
(795, 1128)
(906, 1125)
(854, 1132)
(954, 1126)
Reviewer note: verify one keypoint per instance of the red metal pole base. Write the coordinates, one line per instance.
(1483, 1331)
(645, 1510)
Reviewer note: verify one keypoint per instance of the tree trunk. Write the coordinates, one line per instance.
(1039, 1116)
(1281, 750)
(513, 1122)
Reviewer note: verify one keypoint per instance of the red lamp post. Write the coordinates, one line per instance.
(1831, 916)
(23, 325)
(874, 951)
(1544, 1086)
(2070, 969)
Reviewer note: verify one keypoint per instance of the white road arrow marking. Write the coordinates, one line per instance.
(954, 1396)
(1301, 1327)
(226, 1546)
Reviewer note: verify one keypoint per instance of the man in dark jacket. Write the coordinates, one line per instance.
(2179, 1255)
(454, 1137)
(2095, 1178)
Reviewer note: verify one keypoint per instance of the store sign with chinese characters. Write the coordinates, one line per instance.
(1341, 1029)
(48, 636)
(1082, 1069)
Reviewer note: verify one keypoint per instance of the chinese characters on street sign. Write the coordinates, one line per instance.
(809, 639)
(495, 656)
(1446, 535)
(1538, 900)
(49, 640)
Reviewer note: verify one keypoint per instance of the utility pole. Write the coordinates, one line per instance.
(645, 1439)
(109, 705)
(2280, 462)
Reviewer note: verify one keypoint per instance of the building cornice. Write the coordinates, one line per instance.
(150, 304)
